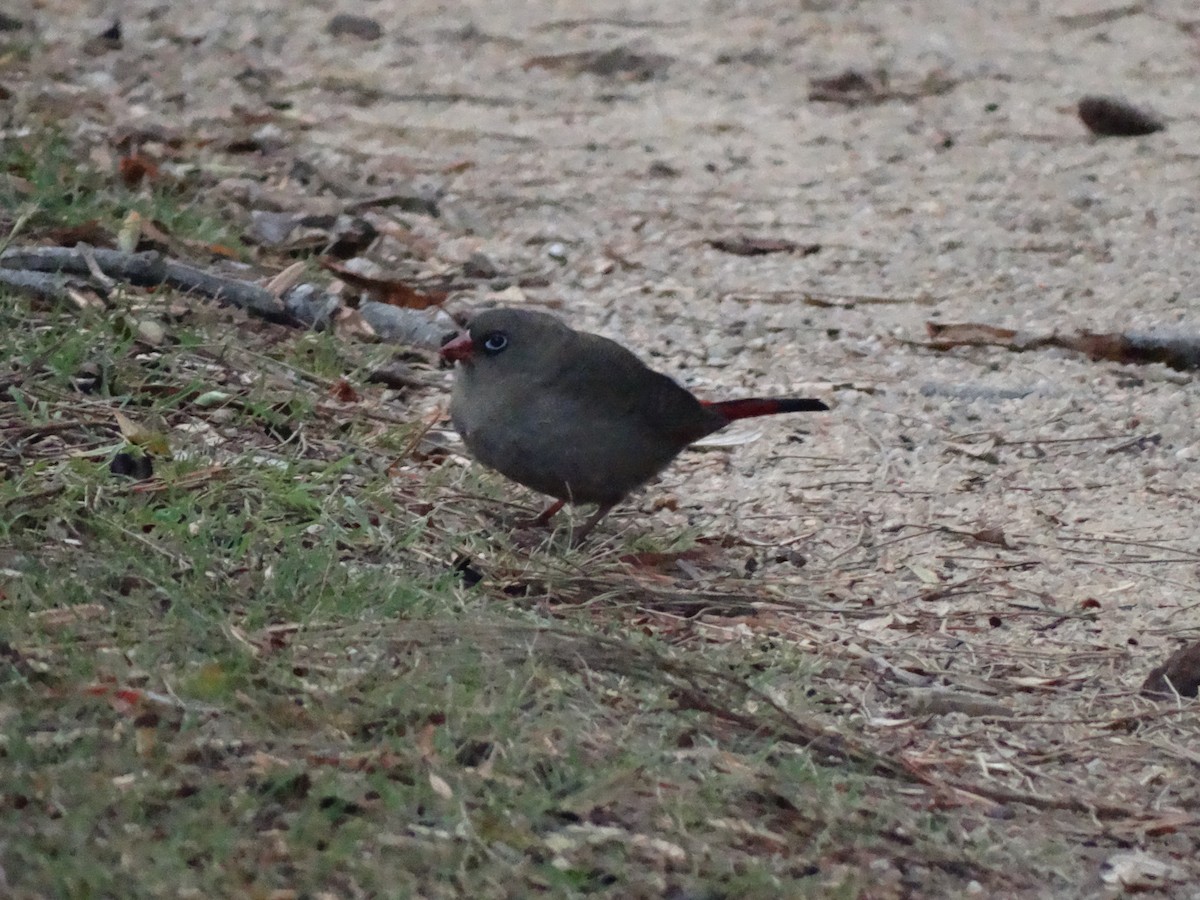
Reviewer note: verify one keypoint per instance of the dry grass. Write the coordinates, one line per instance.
(303, 659)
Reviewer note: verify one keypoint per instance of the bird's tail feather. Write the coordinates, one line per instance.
(766, 406)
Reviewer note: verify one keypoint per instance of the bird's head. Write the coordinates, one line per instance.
(502, 335)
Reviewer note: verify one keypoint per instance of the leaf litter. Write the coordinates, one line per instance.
(978, 613)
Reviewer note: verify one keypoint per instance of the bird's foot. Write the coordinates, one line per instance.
(580, 532)
(543, 518)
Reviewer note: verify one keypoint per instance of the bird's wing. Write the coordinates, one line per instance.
(614, 385)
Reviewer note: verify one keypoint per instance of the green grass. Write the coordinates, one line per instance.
(48, 187)
(260, 671)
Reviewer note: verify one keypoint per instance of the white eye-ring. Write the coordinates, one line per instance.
(495, 342)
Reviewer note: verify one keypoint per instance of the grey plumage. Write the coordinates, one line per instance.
(571, 414)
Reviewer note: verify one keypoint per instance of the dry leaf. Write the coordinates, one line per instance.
(390, 291)
(91, 232)
(940, 702)
(59, 616)
(349, 323)
(425, 741)
(954, 334)
(154, 236)
(984, 452)
(130, 430)
(618, 62)
(1169, 823)
(131, 232)
(744, 245)
(879, 623)
(145, 736)
(151, 333)
(287, 279)
(1139, 871)
(151, 440)
(136, 168)
(663, 851)
(1111, 117)
(992, 535)
(928, 576)
(1178, 350)
(851, 87)
(343, 391)
(440, 787)
(262, 763)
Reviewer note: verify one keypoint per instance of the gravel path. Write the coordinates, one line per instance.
(1026, 519)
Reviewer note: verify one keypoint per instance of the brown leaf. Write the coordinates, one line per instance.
(992, 535)
(86, 233)
(946, 335)
(1112, 117)
(396, 293)
(136, 168)
(425, 741)
(619, 62)
(415, 244)
(343, 391)
(370, 761)
(1179, 351)
(216, 249)
(667, 560)
(745, 245)
(850, 87)
(154, 236)
(1169, 823)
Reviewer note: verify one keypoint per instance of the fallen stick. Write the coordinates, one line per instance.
(38, 271)
(39, 284)
(1178, 351)
(149, 269)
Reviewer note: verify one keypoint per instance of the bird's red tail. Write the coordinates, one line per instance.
(765, 406)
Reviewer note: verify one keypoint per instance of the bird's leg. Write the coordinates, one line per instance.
(544, 517)
(583, 530)
(548, 513)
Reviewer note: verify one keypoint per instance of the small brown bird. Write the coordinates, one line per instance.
(575, 415)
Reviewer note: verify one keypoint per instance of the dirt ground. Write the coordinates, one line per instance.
(1013, 529)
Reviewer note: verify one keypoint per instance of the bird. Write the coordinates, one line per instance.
(576, 415)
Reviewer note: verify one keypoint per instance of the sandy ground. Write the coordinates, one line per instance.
(971, 193)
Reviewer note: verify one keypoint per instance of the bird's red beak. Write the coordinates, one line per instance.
(458, 348)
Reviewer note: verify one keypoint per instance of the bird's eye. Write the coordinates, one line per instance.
(495, 342)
